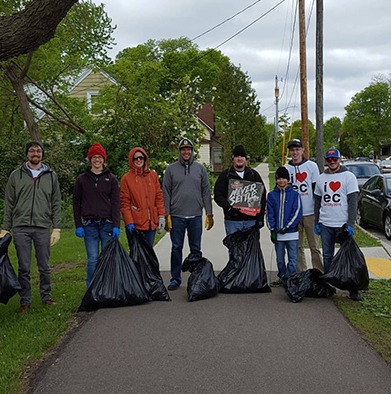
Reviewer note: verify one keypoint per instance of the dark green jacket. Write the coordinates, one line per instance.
(32, 202)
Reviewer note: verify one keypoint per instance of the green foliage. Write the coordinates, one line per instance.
(367, 124)
(332, 130)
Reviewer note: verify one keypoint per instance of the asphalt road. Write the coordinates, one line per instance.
(247, 343)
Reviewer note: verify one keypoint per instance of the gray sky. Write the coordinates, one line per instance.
(357, 43)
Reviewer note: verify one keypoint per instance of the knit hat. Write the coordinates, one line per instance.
(185, 143)
(282, 172)
(239, 151)
(34, 143)
(332, 152)
(295, 144)
(97, 149)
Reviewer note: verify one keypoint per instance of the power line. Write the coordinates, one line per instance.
(226, 20)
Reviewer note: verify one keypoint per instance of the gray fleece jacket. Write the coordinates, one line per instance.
(186, 189)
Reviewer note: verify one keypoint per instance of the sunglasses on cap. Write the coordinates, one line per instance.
(332, 159)
(135, 158)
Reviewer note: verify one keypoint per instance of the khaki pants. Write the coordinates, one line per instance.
(306, 225)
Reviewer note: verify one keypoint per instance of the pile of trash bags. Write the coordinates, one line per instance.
(9, 284)
(348, 271)
(120, 279)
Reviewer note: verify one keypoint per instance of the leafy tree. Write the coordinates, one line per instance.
(368, 120)
(332, 131)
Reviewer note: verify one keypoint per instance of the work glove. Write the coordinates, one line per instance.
(3, 233)
(317, 229)
(116, 232)
(168, 223)
(273, 236)
(234, 212)
(55, 237)
(283, 230)
(209, 222)
(161, 224)
(80, 232)
(130, 227)
(350, 231)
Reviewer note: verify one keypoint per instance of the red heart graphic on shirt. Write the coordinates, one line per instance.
(301, 176)
(334, 186)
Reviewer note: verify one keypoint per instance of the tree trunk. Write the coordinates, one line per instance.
(14, 75)
(25, 31)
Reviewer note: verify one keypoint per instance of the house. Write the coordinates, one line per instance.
(88, 84)
(211, 150)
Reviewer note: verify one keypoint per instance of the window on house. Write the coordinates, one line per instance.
(91, 102)
(217, 156)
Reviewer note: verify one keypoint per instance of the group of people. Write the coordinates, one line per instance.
(303, 203)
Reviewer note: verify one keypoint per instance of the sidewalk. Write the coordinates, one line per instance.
(229, 344)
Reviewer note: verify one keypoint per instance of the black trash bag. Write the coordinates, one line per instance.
(115, 282)
(306, 284)
(348, 270)
(148, 267)
(245, 271)
(342, 234)
(9, 284)
(202, 282)
(319, 288)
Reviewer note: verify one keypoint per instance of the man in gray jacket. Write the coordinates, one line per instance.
(32, 207)
(186, 193)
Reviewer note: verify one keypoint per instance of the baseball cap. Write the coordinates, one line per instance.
(295, 143)
(332, 152)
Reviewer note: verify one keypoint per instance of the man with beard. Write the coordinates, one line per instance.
(236, 219)
(32, 207)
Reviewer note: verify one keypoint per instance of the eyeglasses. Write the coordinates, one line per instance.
(332, 159)
(138, 158)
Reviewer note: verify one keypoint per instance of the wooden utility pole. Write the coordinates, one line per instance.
(303, 80)
(276, 95)
(319, 86)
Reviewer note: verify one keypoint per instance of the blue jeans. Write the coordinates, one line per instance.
(292, 248)
(97, 233)
(232, 226)
(327, 235)
(149, 236)
(177, 234)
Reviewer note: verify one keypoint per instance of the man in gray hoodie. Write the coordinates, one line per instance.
(186, 193)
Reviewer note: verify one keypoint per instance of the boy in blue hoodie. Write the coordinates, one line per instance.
(284, 211)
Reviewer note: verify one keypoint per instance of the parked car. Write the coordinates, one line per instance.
(374, 203)
(385, 166)
(362, 169)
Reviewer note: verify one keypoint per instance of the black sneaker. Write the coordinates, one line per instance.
(174, 285)
(355, 296)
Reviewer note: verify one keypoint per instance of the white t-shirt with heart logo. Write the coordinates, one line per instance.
(302, 176)
(334, 190)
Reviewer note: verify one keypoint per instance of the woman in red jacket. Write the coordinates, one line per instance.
(141, 198)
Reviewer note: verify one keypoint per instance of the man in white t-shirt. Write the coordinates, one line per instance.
(303, 175)
(336, 195)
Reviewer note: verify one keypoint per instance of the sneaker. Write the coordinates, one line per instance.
(24, 308)
(174, 285)
(276, 283)
(355, 296)
(49, 302)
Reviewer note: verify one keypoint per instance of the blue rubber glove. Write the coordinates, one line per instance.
(130, 227)
(350, 231)
(80, 232)
(317, 229)
(116, 232)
